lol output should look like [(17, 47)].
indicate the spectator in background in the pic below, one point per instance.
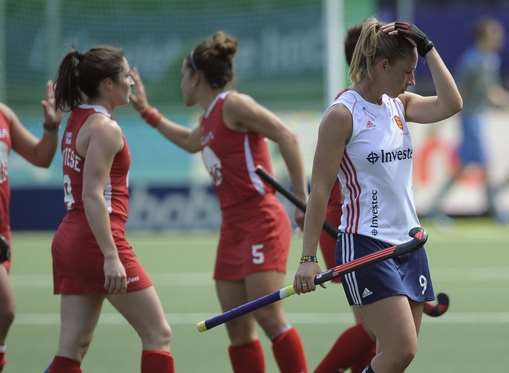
[(39, 152), (478, 77)]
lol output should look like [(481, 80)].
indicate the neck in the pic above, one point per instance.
[(206, 98), (369, 91), (100, 102)]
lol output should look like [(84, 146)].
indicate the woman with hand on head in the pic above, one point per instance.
[(92, 260), (364, 141), (255, 231), (39, 152)]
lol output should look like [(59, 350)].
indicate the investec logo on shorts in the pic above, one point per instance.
[(390, 156), (374, 212)]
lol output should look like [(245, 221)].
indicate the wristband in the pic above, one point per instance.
[(308, 259), (50, 127), (152, 116)]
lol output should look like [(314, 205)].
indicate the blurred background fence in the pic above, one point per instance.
[(281, 63)]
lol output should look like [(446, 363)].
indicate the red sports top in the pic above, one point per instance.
[(232, 156), (5, 194), (335, 196), (116, 192)]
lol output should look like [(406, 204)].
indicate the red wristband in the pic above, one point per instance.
[(152, 116)]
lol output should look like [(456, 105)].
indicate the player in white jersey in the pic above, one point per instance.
[(364, 139)]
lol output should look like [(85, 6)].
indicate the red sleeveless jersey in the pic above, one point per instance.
[(231, 158), (5, 194), (116, 191), (335, 196)]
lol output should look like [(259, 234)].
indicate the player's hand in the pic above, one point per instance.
[(115, 277), (304, 280), (52, 116), (138, 97), (412, 33)]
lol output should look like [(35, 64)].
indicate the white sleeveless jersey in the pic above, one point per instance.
[(376, 170)]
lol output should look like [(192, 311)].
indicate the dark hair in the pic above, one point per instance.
[(80, 74), (352, 35), (214, 58), (373, 44)]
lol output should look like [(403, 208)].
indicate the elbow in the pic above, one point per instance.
[(288, 137), (43, 163), (191, 144), (89, 198), (452, 107), (42, 159), (191, 149), (458, 104)]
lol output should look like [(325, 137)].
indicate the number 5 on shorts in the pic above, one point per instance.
[(257, 254)]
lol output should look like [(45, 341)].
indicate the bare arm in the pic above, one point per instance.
[(39, 152), (105, 141), (447, 101), (335, 130), (185, 138), (241, 112)]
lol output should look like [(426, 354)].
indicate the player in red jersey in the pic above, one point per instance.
[(39, 152), (92, 259), (255, 231)]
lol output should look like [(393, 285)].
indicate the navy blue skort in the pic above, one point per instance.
[(405, 275)]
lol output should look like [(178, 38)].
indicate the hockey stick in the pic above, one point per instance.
[(431, 309), (292, 198), (419, 237)]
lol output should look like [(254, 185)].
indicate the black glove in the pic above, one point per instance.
[(5, 250), (423, 44)]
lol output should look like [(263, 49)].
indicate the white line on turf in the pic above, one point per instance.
[(24, 319), (197, 279)]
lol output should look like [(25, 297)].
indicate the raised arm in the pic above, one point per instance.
[(242, 113), (447, 101), (335, 130), (185, 138), (39, 152), (105, 141)]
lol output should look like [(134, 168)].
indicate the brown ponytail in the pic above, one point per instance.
[(67, 92), (79, 74), (214, 57), (373, 44)]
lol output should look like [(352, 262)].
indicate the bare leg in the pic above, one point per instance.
[(241, 330), (7, 310), (78, 318), (392, 321), (7, 304), (271, 318), (143, 310)]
